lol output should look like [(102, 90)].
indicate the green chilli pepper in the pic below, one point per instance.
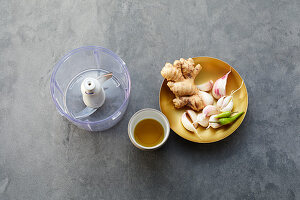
[(228, 120), (224, 114)]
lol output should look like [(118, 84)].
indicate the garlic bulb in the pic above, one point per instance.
[(228, 107), (206, 86), (213, 122), (202, 120), (225, 103), (207, 98), (193, 117), (220, 102), (210, 110), (187, 124), (219, 88)]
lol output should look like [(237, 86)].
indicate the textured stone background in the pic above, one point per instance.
[(43, 156)]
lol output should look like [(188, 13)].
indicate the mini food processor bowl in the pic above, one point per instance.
[(90, 61)]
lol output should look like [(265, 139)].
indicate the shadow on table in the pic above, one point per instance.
[(233, 142), (177, 146)]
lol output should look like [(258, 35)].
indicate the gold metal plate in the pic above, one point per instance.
[(212, 69)]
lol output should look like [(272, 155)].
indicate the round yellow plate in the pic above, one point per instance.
[(212, 69)]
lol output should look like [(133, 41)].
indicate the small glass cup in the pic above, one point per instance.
[(148, 113)]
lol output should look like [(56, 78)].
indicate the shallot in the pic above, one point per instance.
[(202, 120), (219, 88), (227, 99), (210, 110), (213, 122), (220, 102), (206, 98), (193, 117), (227, 107), (225, 103), (206, 86), (187, 123)]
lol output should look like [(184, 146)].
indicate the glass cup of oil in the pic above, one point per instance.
[(148, 129)]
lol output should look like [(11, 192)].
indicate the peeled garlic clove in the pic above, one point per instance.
[(228, 107), (207, 98), (202, 120), (206, 86), (226, 101), (193, 117), (210, 110), (212, 122), (220, 102), (187, 124), (219, 88)]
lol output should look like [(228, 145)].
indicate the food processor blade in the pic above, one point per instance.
[(85, 113), (89, 110)]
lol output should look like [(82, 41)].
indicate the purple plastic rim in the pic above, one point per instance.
[(64, 58)]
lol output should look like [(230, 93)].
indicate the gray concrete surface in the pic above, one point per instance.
[(43, 156)]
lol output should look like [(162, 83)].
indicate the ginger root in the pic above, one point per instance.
[(180, 77), (195, 102)]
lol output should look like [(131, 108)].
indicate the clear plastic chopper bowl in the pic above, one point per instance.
[(91, 61)]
